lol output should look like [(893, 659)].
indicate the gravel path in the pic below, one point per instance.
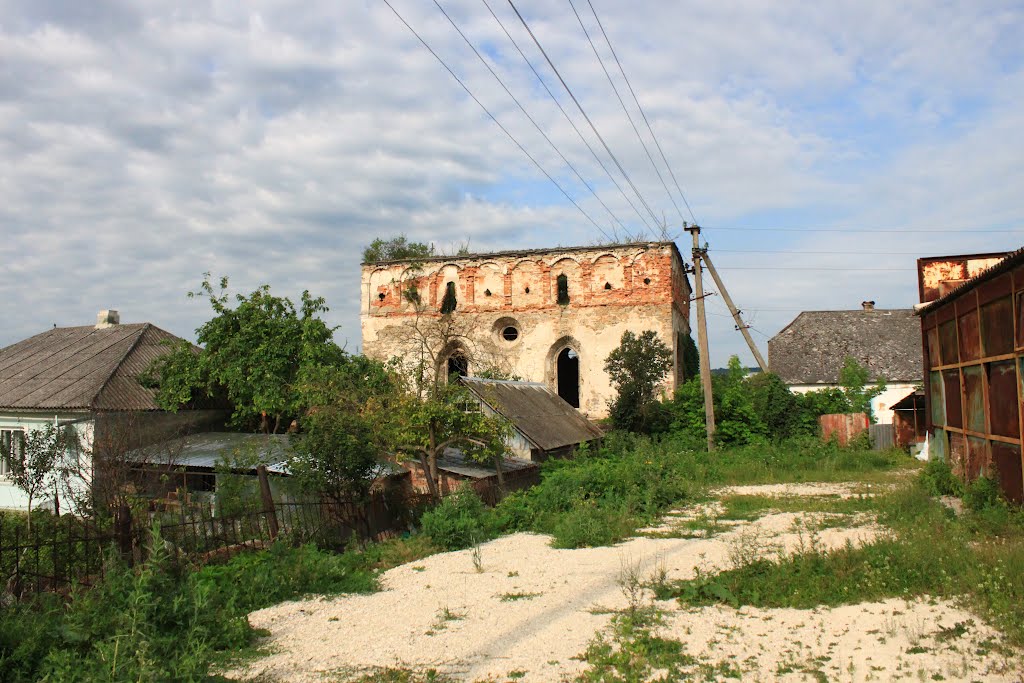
[(533, 609)]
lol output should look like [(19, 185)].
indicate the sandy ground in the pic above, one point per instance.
[(533, 610)]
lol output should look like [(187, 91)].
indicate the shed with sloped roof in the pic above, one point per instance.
[(544, 424)]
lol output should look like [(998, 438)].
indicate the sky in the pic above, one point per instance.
[(822, 148)]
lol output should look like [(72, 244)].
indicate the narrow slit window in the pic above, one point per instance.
[(563, 290), (449, 302)]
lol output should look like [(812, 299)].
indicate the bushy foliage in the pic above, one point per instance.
[(166, 621), (938, 480), (396, 249), (761, 408), (635, 368), (254, 356), (459, 521)]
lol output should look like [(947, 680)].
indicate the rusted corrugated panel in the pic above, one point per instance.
[(940, 275), (977, 457), (997, 327), (1006, 461), (1003, 401), (958, 454), (1019, 303), (947, 342), (951, 391), (842, 426), (970, 339), (937, 399), (974, 395), (932, 346)]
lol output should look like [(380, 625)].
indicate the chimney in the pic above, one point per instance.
[(866, 305), (105, 319)]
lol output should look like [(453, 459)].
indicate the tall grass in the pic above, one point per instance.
[(602, 497), (163, 621), (931, 551)]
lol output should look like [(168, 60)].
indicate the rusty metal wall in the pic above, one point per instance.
[(973, 345), (843, 427)]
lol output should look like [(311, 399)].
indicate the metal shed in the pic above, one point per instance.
[(973, 337)]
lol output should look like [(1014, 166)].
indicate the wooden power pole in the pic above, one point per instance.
[(743, 328), (702, 338)]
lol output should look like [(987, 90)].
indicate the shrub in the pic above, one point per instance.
[(459, 521), (937, 479), (587, 525), (981, 494)]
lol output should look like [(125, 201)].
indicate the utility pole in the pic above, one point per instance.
[(702, 337), (735, 311)]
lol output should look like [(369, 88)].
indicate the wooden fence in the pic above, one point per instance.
[(62, 552)]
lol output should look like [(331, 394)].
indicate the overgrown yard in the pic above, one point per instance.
[(647, 561), (871, 579)]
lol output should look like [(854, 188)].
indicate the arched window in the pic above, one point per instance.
[(458, 364), (567, 372), (449, 301), (563, 290)]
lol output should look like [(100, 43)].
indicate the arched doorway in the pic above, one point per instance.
[(567, 373), (458, 364)]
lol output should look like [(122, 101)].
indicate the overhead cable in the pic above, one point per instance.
[(566, 115), (583, 111), (642, 113), (626, 110), (531, 119), (492, 117)]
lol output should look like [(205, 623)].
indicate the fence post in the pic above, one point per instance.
[(123, 532), (268, 501)]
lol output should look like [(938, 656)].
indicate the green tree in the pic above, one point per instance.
[(691, 358), (341, 445), (254, 354), (35, 469), (422, 425), (397, 249), (636, 367), (854, 378)]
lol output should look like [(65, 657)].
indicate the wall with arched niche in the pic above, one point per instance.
[(607, 274), (573, 272), (530, 285), (490, 285)]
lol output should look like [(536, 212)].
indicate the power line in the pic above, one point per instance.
[(624, 109), (642, 113), (492, 117), (840, 253), (567, 117), (582, 111), (852, 270), (527, 115), (925, 231)]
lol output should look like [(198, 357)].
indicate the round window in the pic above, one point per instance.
[(510, 333)]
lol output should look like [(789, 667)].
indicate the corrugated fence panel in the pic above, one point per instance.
[(882, 436)]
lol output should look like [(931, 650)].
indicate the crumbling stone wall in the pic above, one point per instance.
[(508, 306)]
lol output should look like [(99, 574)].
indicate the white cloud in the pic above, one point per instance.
[(146, 143)]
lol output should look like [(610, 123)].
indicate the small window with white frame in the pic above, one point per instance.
[(12, 448)]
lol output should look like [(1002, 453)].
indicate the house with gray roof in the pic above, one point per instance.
[(809, 353), (88, 379)]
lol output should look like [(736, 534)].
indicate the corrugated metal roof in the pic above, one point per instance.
[(454, 461), (542, 416), (207, 449), (82, 368), (813, 348)]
